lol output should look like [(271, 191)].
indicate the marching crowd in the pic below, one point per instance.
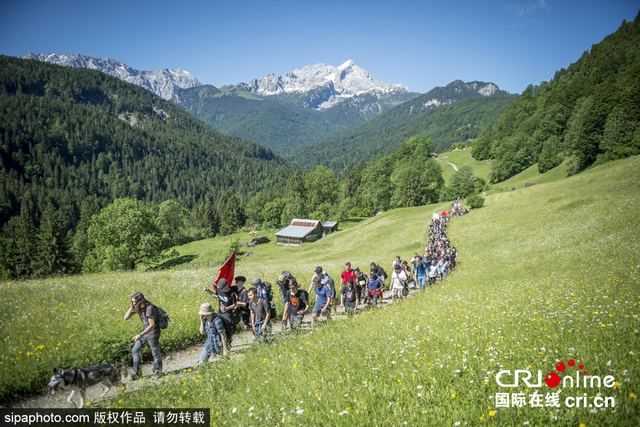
[(254, 307)]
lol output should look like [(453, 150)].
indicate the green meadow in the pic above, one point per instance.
[(460, 158), (546, 274)]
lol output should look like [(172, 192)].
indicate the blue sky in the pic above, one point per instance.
[(421, 44)]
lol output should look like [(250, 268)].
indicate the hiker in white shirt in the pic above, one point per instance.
[(398, 278)]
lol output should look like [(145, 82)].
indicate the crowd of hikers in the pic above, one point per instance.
[(254, 307)]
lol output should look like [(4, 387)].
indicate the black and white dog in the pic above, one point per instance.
[(79, 379)]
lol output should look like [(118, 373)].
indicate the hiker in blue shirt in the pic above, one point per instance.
[(375, 285), (323, 301), (420, 273)]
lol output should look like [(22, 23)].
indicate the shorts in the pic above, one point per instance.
[(317, 310), (396, 292)]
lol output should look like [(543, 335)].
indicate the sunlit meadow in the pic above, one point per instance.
[(546, 274)]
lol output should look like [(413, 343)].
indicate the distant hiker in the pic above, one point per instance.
[(149, 335), (361, 284), (347, 274), (375, 287), (323, 301), (212, 325), (260, 316), (420, 273), (349, 298), (407, 271), (296, 306), (243, 301), (283, 285), (433, 271), (396, 261), (382, 275), (444, 267), (328, 280), (317, 273), (398, 281)]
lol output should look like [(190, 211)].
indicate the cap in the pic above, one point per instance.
[(256, 281), (318, 270), (240, 279)]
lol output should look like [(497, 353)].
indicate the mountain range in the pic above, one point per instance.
[(320, 109), (161, 82), (328, 85)]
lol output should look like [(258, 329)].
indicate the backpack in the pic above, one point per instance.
[(269, 292), (163, 318), (287, 275)]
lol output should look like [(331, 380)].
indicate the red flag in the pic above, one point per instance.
[(226, 271)]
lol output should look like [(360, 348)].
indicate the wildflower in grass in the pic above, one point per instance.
[(492, 413)]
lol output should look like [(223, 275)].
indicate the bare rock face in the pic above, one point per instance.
[(326, 84), (161, 82)]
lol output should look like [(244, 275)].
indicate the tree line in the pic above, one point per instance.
[(129, 232)]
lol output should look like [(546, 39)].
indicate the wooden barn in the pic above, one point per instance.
[(329, 226), (299, 231)]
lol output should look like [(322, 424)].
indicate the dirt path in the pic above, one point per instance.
[(455, 168), (175, 364)]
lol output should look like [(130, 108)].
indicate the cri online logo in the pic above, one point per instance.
[(553, 380)]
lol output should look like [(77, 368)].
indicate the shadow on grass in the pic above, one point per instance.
[(174, 262)]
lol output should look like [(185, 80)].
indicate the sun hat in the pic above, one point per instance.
[(205, 309)]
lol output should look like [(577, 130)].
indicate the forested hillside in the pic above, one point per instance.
[(446, 125), (278, 122), (74, 136), (588, 113)]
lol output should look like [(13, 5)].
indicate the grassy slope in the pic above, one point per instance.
[(462, 158), (547, 274), (542, 270)]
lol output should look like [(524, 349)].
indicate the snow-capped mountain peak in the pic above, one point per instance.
[(161, 82), (330, 84)]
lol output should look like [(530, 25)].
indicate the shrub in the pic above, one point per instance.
[(475, 201)]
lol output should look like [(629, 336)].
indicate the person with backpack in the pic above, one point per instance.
[(444, 267), (149, 335), (420, 273), (212, 325), (380, 273), (349, 298), (296, 306), (361, 283), (323, 301), (227, 304), (283, 284), (398, 282), (243, 301), (375, 287), (260, 316), (265, 290)]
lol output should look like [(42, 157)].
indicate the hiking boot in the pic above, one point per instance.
[(133, 376), (156, 374)]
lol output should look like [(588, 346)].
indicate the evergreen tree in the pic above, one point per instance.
[(232, 216), (81, 245), (22, 232), (53, 248)]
